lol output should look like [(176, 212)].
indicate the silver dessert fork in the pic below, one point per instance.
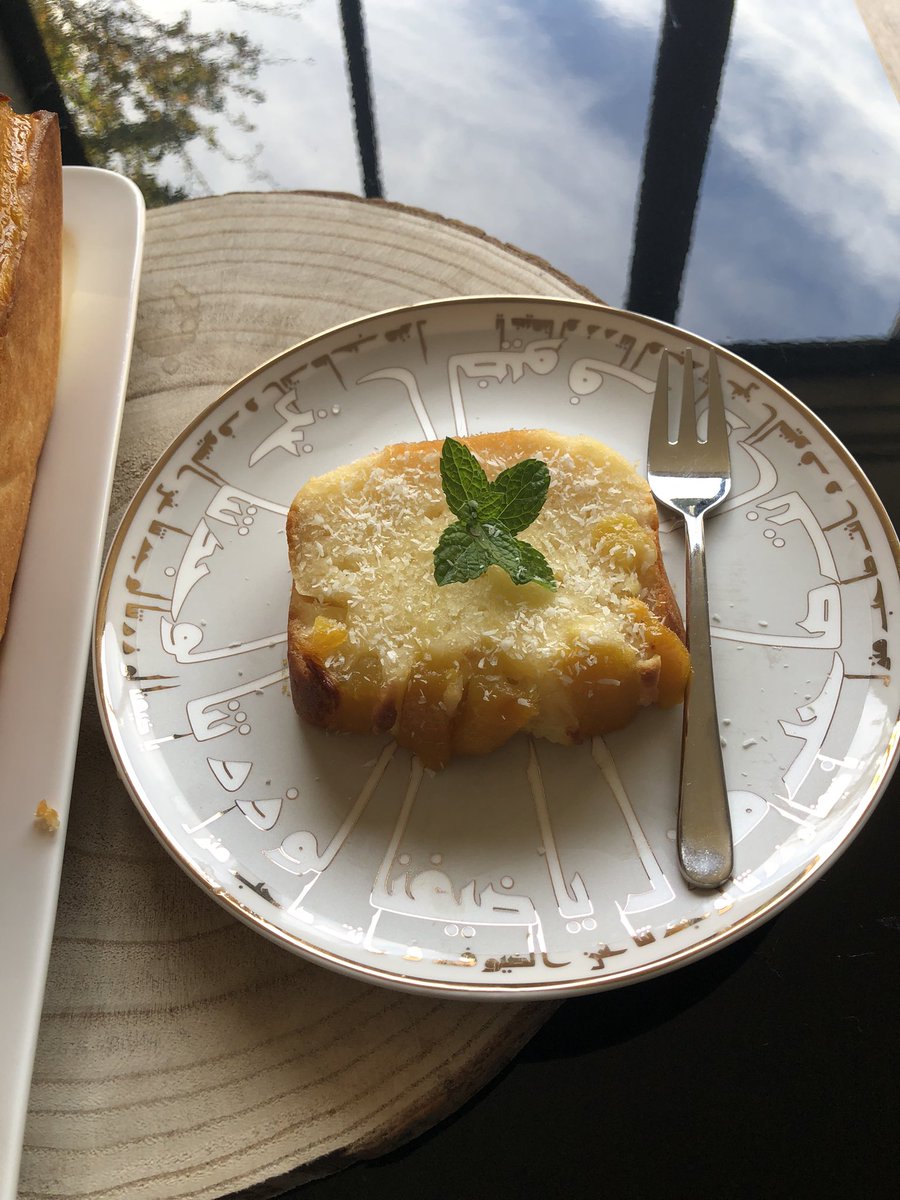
[(692, 477)]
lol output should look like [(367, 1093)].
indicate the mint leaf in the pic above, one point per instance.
[(517, 495), (462, 475), (520, 560), (490, 514), (461, 555)]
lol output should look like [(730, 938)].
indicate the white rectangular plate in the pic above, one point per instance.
[(44, 652)]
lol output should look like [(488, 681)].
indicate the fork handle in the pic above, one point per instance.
[(705, 852)]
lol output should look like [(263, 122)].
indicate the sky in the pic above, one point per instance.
[(527, 118)]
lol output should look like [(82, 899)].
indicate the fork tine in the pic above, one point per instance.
[(716, 427), (659, 415), (687, 424)]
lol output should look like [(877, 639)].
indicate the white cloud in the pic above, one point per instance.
[(481, 118), (805, 104), (474, 122), (304, 125), (640, 14), (479, 122), (806, 108)]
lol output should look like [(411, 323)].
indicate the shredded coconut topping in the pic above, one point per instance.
[(365, 536)]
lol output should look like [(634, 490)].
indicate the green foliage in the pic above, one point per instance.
[(143, 90), (490, 514)]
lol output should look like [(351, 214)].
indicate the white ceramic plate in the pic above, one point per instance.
[(44, 652), (538, 870)]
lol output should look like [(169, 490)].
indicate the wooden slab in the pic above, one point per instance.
[(882, 20), (180, 1053)]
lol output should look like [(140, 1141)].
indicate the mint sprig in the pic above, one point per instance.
[(489, 515)]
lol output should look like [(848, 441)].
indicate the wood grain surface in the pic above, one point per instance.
[(882, 20), (180, 1053)]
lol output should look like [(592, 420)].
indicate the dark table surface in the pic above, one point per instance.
[(736, 173)]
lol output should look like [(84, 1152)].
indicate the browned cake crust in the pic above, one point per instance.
[(30, 296), (375, 645)]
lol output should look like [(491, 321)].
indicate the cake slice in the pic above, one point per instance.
[(30, 297), (374, 644)]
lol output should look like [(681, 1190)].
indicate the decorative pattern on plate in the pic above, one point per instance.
[(538, 869)]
